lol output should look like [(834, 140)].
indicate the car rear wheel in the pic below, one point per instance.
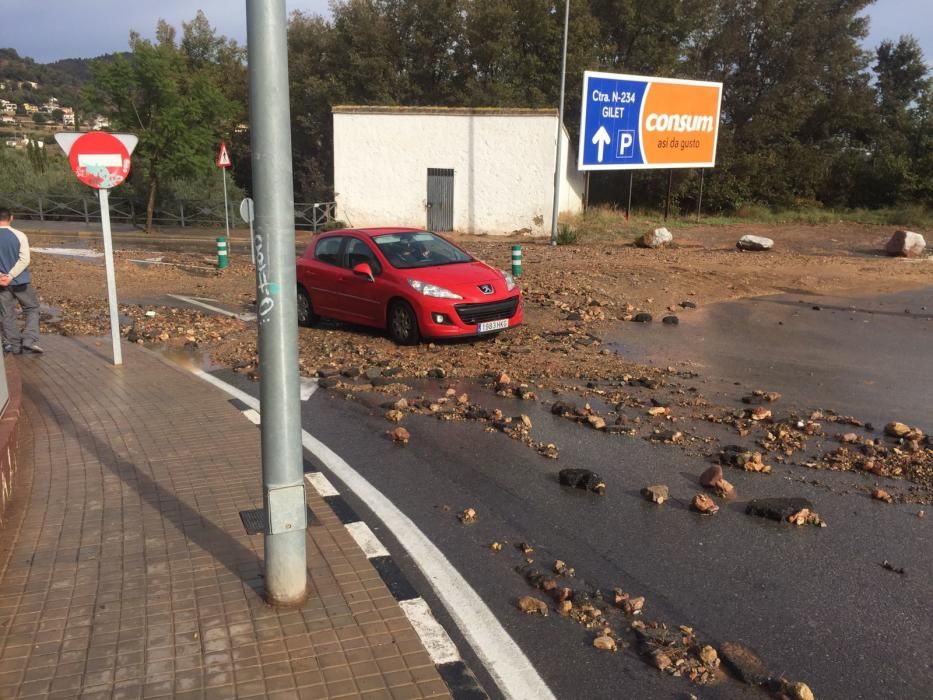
[(306, 315), (403, 324)]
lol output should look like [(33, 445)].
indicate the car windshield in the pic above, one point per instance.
[(411, 249)]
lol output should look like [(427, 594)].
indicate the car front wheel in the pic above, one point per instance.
[(403, 324), (306, 315)]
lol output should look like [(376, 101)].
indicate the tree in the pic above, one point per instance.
[(172, 98), (58, 116), (39, 118)]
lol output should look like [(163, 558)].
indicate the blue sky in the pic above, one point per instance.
[(55, 29)]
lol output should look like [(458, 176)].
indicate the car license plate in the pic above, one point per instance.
[(492, 325)]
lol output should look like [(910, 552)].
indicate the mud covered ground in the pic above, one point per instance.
[(574, 297)]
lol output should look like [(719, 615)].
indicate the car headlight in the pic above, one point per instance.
[(432, 290), (509, 281)]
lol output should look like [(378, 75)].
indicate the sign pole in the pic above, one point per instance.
[(628, 206), (277, 319), (667, 201), (111, 276), (226, 208), (700, 198), (560, 127)]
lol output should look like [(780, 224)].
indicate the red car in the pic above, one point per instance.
[(414, 283)]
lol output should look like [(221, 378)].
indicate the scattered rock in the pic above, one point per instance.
[(688, 305), (882, 495), (903, 431), (596, 422), (400, 435), (467, 516), (658, 238), (670, 320), (643, 317), (777, 508), (799, 691), (734, 456), (659, 411), (667, 436), (760, 413), (656, 493), (394, 415), (532, 606), (712, 478), (351, 372), (805, 516), (744, 663), (755, 464), (758, 397), (437, 373), (702, 503), (890, 567), (564, 408), (604, 642), (709, 656), (582, 479), (327, 382), (496, 546), (754, 243), (561, 568), (373, 373), (905, 244)]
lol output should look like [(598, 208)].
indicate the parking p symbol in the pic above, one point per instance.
[(626, 142)]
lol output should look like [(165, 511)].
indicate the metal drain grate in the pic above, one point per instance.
[(255, 520)]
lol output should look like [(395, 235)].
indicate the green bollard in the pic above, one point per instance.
[(222, 260), (516, 260)]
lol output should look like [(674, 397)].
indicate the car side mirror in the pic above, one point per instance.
[(364, 270)]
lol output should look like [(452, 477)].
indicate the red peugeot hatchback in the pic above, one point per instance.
[(414, 283)]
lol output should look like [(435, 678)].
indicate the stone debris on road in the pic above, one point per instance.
[(656, 493), (702, 503), (583, 479), (467, 516), (532, 606), (400, 436), (882, 495), (890, 567), (656, 238)]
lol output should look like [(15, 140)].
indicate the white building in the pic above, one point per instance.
[(469, 170)]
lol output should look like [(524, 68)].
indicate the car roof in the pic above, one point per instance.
[(373, 232)]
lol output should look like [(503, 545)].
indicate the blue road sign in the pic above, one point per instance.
[(630, 122)]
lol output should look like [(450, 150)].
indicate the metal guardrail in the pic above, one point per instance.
[(178, 213)]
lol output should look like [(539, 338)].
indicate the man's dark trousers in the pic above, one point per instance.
[(26, 296)]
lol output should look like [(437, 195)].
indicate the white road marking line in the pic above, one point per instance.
[(366, 539), (437, 642), (252, 416), (321, 484), (308, 385), (215, 309), (511, 670)]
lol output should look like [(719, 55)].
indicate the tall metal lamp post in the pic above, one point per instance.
[(560, 126)]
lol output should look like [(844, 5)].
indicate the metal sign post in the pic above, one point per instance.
[(276, 300), (248, 213), (111, 276), (560, 127), (102, 161), (223, 162)]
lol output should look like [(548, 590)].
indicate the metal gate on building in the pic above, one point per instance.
[(440, 200)]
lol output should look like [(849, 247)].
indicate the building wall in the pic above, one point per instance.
[(503, 168)]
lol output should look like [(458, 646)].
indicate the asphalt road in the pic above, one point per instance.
[(815, 603)]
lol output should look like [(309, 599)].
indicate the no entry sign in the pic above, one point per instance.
[(100, 159)]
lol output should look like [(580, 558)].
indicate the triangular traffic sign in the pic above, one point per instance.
[(223, 158)]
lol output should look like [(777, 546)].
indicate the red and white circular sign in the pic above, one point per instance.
[(100, 160)]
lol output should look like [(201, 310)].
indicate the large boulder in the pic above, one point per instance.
[(659, 238), (749, 242), (906, 244)]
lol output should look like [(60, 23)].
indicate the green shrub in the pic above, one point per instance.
[(566, 234)]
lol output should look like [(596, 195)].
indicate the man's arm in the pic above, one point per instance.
[(23, 262)]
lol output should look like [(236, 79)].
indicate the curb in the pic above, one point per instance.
[(9, 434), (440, 647)]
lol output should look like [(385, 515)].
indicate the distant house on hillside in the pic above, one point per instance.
[(7, 107), (464, 169), (30, 108), (100, 123), (30, 83), (68, 116), (7, 119)]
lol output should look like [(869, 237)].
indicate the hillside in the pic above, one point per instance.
[(62, 79)]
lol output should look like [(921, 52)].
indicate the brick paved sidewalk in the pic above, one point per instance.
[(130, 574)]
